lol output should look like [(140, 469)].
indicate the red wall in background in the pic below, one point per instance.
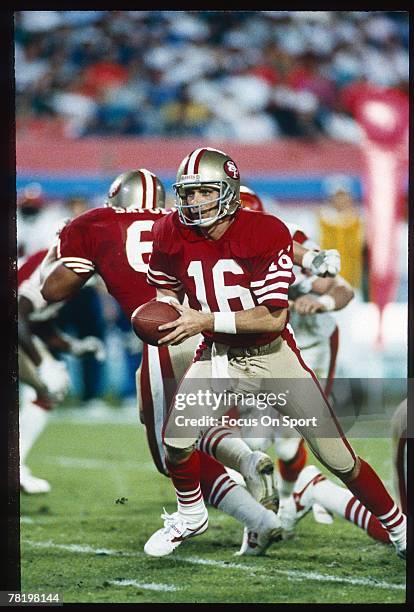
[(56, 154)]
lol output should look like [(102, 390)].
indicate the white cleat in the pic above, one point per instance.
[(256, 543), (321, 515), (288, 516), (176, 529), (294, 507), (31, 484), (258, 471)]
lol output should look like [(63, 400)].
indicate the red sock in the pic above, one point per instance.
[(185, 475), (356, 513), (377, 531), (289, 470), (370, 491), (215, 481)]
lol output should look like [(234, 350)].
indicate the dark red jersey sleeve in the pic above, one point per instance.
[(272, 268), (160, 273), (75, 247)]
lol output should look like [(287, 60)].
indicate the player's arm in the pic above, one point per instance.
[(337, 288), (24, 334), (70, 265), (62, 283), (57, 340), (49, 262), (335, 294), (260, 319)]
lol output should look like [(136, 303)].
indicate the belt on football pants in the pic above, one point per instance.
[(220, 354)]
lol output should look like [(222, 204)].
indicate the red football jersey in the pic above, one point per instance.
[(116, 244), (250, 265)]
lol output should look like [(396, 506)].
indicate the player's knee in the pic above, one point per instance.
[(339, 460), (177, 455), (346, 471), (351, 473)]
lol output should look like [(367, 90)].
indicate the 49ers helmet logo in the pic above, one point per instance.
[(231, 169)]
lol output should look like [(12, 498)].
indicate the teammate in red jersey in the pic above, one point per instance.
[(235, 267), (47, 377)]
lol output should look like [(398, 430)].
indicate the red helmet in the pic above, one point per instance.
[(250, 200)]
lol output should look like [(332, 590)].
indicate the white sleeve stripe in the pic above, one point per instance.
[(156, 273), (272, 296), (77, 263), (279, 274), (77, 259), (156, 281), (270, 287), (73, 265), (163, 283)]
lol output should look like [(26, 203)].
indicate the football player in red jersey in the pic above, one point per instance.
[(235, 267), (47, 377), (116, 243)]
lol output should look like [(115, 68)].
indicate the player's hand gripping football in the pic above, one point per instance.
[(190, 323), (322, 263)]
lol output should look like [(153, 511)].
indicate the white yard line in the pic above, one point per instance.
[(94, 464), (97, 415), (294, 575), (152, 586)]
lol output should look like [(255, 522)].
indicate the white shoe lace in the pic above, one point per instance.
[(172, 521)]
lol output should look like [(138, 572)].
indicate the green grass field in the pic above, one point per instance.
[(86, 542)]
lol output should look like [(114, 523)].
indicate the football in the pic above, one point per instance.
[(146, 318)]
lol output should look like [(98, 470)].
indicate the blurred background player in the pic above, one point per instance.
[(39, 341), (341, 224), (37, 220)]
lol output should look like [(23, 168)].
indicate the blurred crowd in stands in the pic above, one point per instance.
[(242, 75)]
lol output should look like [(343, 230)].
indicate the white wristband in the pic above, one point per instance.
[(328, 301), (225, 322)]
